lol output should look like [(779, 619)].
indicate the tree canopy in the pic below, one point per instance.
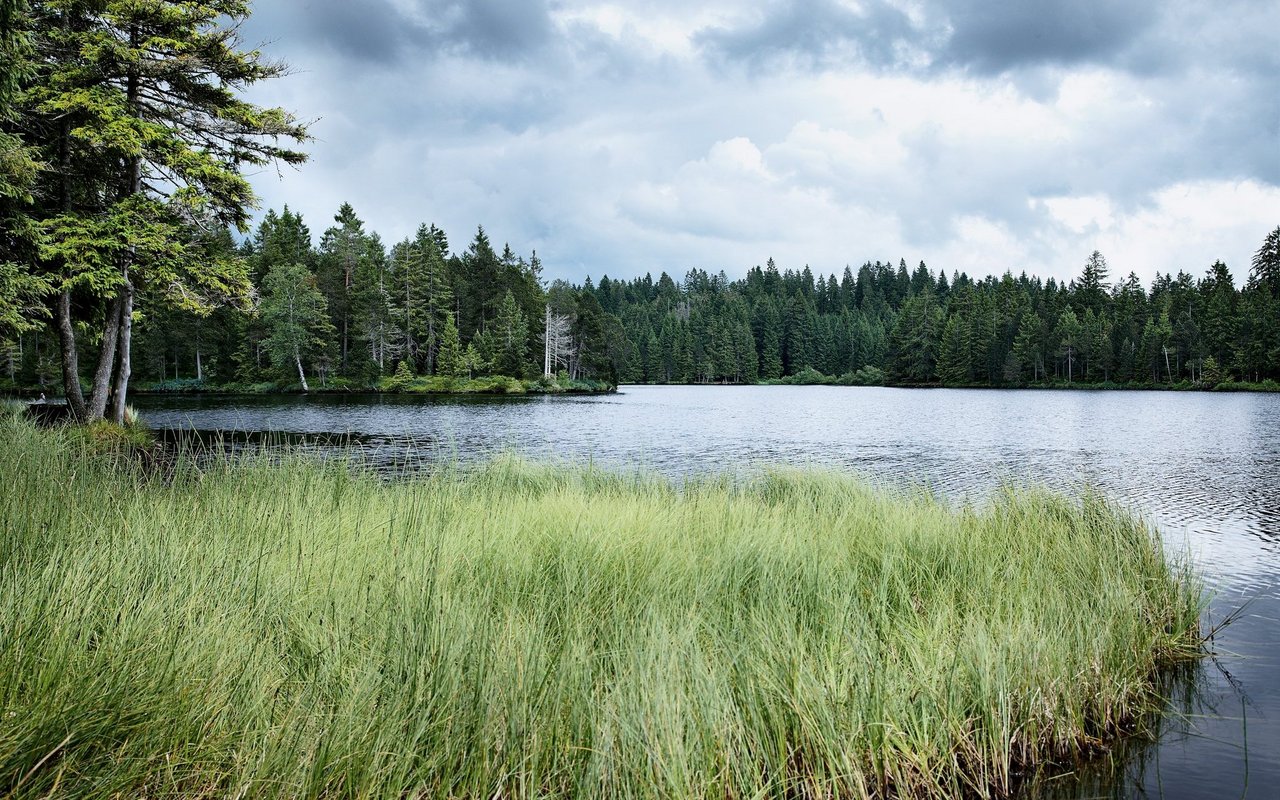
[(133, 110)]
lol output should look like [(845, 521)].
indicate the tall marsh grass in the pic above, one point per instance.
[(518, 631)]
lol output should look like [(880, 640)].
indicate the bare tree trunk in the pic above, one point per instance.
[(70, 360), (302, 376), (546, 346), (124, 366)]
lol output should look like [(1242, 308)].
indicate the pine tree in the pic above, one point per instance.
[(954, 365), (371, 302), (402, 379), (450, 361), (1068, 334), (1219, 329), (1026, 347), (1091, 290), (21, 290), (478, 287), (511, 334), (771, 351), (1266, 263), (915, 339), (136, 111), (345, 253)]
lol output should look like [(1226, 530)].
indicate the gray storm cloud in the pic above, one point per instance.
[(598, 133)]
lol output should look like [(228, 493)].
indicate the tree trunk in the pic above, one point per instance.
[(302, 376), (70, 359), (106, 360), (66, 332), (124, 366), (124, 303)]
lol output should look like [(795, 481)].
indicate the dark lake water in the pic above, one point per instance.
[(1204, 467)]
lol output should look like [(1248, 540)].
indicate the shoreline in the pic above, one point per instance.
[(522, 624)]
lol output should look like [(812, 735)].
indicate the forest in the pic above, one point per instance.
[(354, 313), (128, 252)]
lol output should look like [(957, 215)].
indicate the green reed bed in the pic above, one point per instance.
[(522, 631)]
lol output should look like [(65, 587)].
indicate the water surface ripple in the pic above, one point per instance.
[(1204, 467)]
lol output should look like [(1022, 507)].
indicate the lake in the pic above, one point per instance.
[(1204, 467)]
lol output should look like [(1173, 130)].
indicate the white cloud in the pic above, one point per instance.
[(621, 148)]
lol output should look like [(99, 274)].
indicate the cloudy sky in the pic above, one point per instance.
[(630, 137)]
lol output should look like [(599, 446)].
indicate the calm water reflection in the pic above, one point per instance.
[(1205, 467)]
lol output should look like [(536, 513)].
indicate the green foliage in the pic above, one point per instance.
[(1211, 373), (915, 339), (450, 362), (174, 385), (880, 325), (865, 376), (134, 110), (805, 377), (955, 367), (511, 339), (401, 381), (295, 313), (296, 625), (108, 438)]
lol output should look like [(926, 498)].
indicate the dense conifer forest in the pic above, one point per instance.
[(123, 145), (355, 313)]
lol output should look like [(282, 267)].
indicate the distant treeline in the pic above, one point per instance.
[(352, 312), (886, 324)]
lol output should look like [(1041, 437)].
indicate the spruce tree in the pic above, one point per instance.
[(135, 106), (915, 339), (1266, 264), (344, 255), (450, 361), (511, 335), (1091, 290), (954, 365)]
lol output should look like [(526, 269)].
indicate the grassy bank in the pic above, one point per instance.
[(524, 631), (436, 384), (871, 376)]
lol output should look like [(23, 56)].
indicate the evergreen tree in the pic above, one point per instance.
[(433, 288), (279, 239), (1069, 334), (954, 365), (136, 110), (345, 253), (478, 285), (915, 339), (297, 320), (450, 361), (372, 312), (1219, 295), (1266, 264), (511, 335), (1091, 290)]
